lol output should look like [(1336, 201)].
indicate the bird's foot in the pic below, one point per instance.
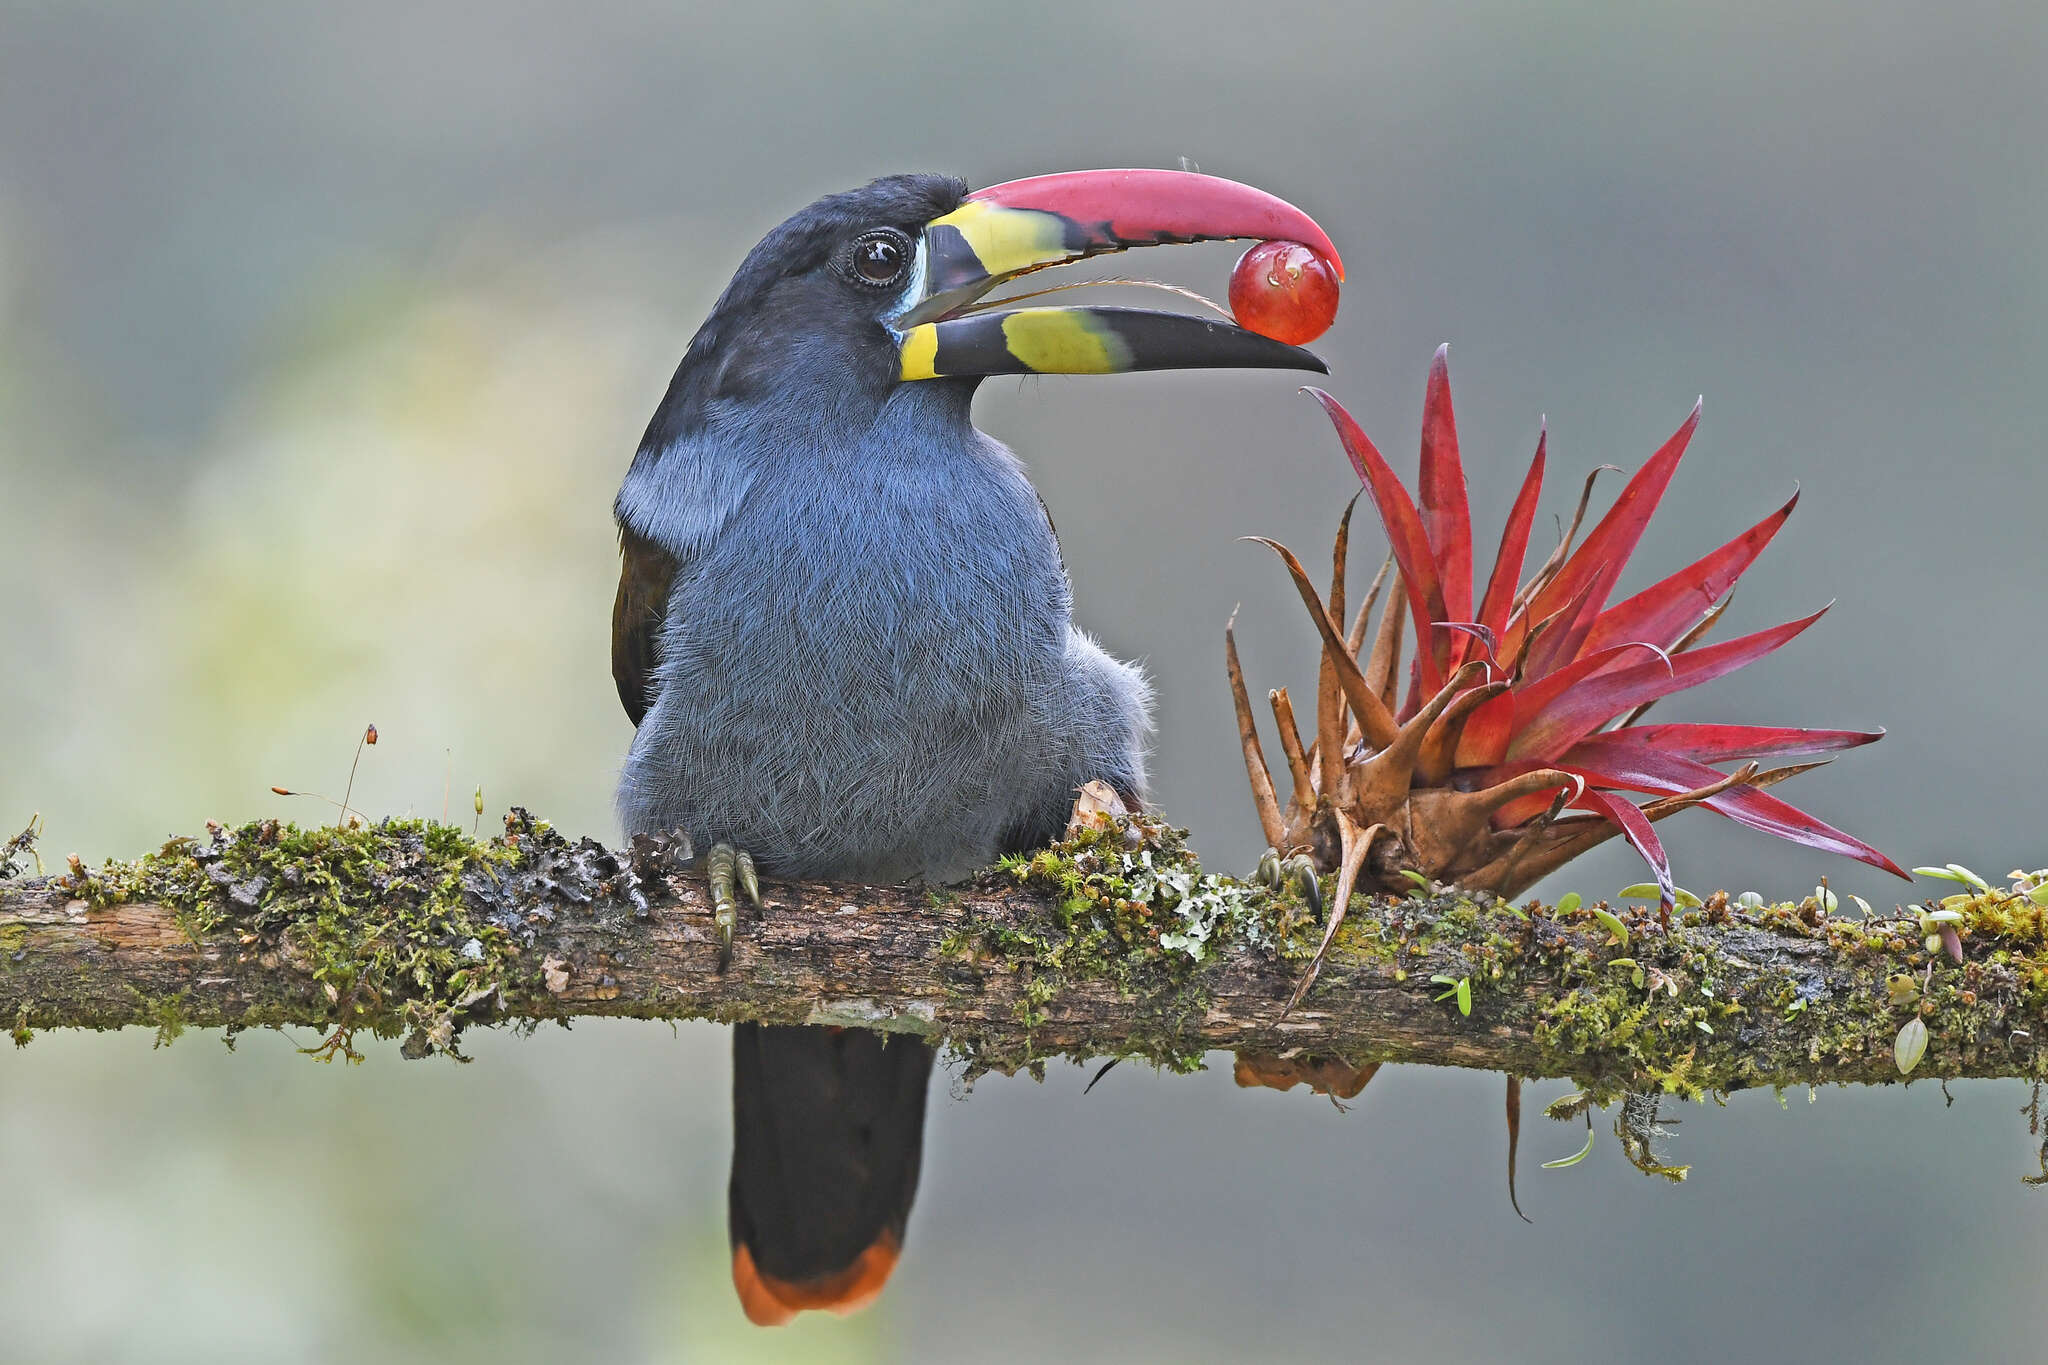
[(731, 872), (1296, 874)]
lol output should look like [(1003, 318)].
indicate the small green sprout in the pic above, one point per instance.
[(1650, 891), (1568, 902), (1863, 906), (1954, 872), (1567, 1107), (1910, 1046), (1939, 927), (1826, 898), (1617, 931), (1576, 1157), (1424, 886), (1459, 988), (1635, 971), (1750, 900)]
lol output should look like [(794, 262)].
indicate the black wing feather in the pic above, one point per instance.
[(646, 572)]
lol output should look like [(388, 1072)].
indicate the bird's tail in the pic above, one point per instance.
[(828, 1131)]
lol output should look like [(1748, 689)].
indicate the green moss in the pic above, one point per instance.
[(1128, 906), (1694, 1016), (410, 929), (167, 1013), (1617, 1009), (376, 917)]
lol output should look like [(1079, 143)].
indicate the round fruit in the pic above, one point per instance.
[(1285, 291)]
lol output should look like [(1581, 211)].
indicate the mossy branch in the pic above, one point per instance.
[(1112, 944)]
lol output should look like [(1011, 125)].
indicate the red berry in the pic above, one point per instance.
[(1284, 290)]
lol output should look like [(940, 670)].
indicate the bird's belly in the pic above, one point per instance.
[(869, 705)]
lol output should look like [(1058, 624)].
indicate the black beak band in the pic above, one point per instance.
[(1089, 341)]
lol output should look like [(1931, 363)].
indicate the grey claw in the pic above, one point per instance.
[(1300, 872), (1268, 872), (720, 866)]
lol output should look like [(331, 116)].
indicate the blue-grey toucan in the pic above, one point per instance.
[(844, 630)]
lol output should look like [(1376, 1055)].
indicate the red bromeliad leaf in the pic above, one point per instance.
[(1565, 640), (1532, 698), (1637, 829), (1484, 740), (1602, 554), (1446, 513), (1663, 612), (1606, 549), (1523, 809), (1592, 701), (1514, 547), (1405, 534), (1701, 744), (1732, 743), (1614, 762), (1536, 636)]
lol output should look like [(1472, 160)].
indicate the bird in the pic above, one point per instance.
[(844, 628)]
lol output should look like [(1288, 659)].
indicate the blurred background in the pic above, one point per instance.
[(326, 333)]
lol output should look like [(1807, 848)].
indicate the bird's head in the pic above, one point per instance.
[(887, 285)]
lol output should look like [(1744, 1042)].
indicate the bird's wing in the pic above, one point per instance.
[(645, 573)]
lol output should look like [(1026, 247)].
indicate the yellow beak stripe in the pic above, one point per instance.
[(920, 350), (1006, 241), (1064, 341), (1025, 341)]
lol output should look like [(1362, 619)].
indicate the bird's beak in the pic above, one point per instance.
[(1008, 230)]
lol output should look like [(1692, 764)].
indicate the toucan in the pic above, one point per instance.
[(844, 632)]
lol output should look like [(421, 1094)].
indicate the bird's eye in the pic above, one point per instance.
[(880, 258)]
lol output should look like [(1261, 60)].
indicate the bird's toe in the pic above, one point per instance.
[(1299, 872), (732, 874)]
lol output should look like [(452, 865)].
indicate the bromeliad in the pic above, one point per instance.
[(1516, 744)]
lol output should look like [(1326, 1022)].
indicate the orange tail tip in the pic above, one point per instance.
[(770, 1302)]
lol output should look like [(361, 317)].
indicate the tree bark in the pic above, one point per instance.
[(403, 932)]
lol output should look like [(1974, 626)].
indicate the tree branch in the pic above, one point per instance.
[(1114, 943)]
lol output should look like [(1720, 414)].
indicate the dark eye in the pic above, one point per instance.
[(880, 258)]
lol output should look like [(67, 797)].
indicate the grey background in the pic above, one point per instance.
[(326, 332)]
